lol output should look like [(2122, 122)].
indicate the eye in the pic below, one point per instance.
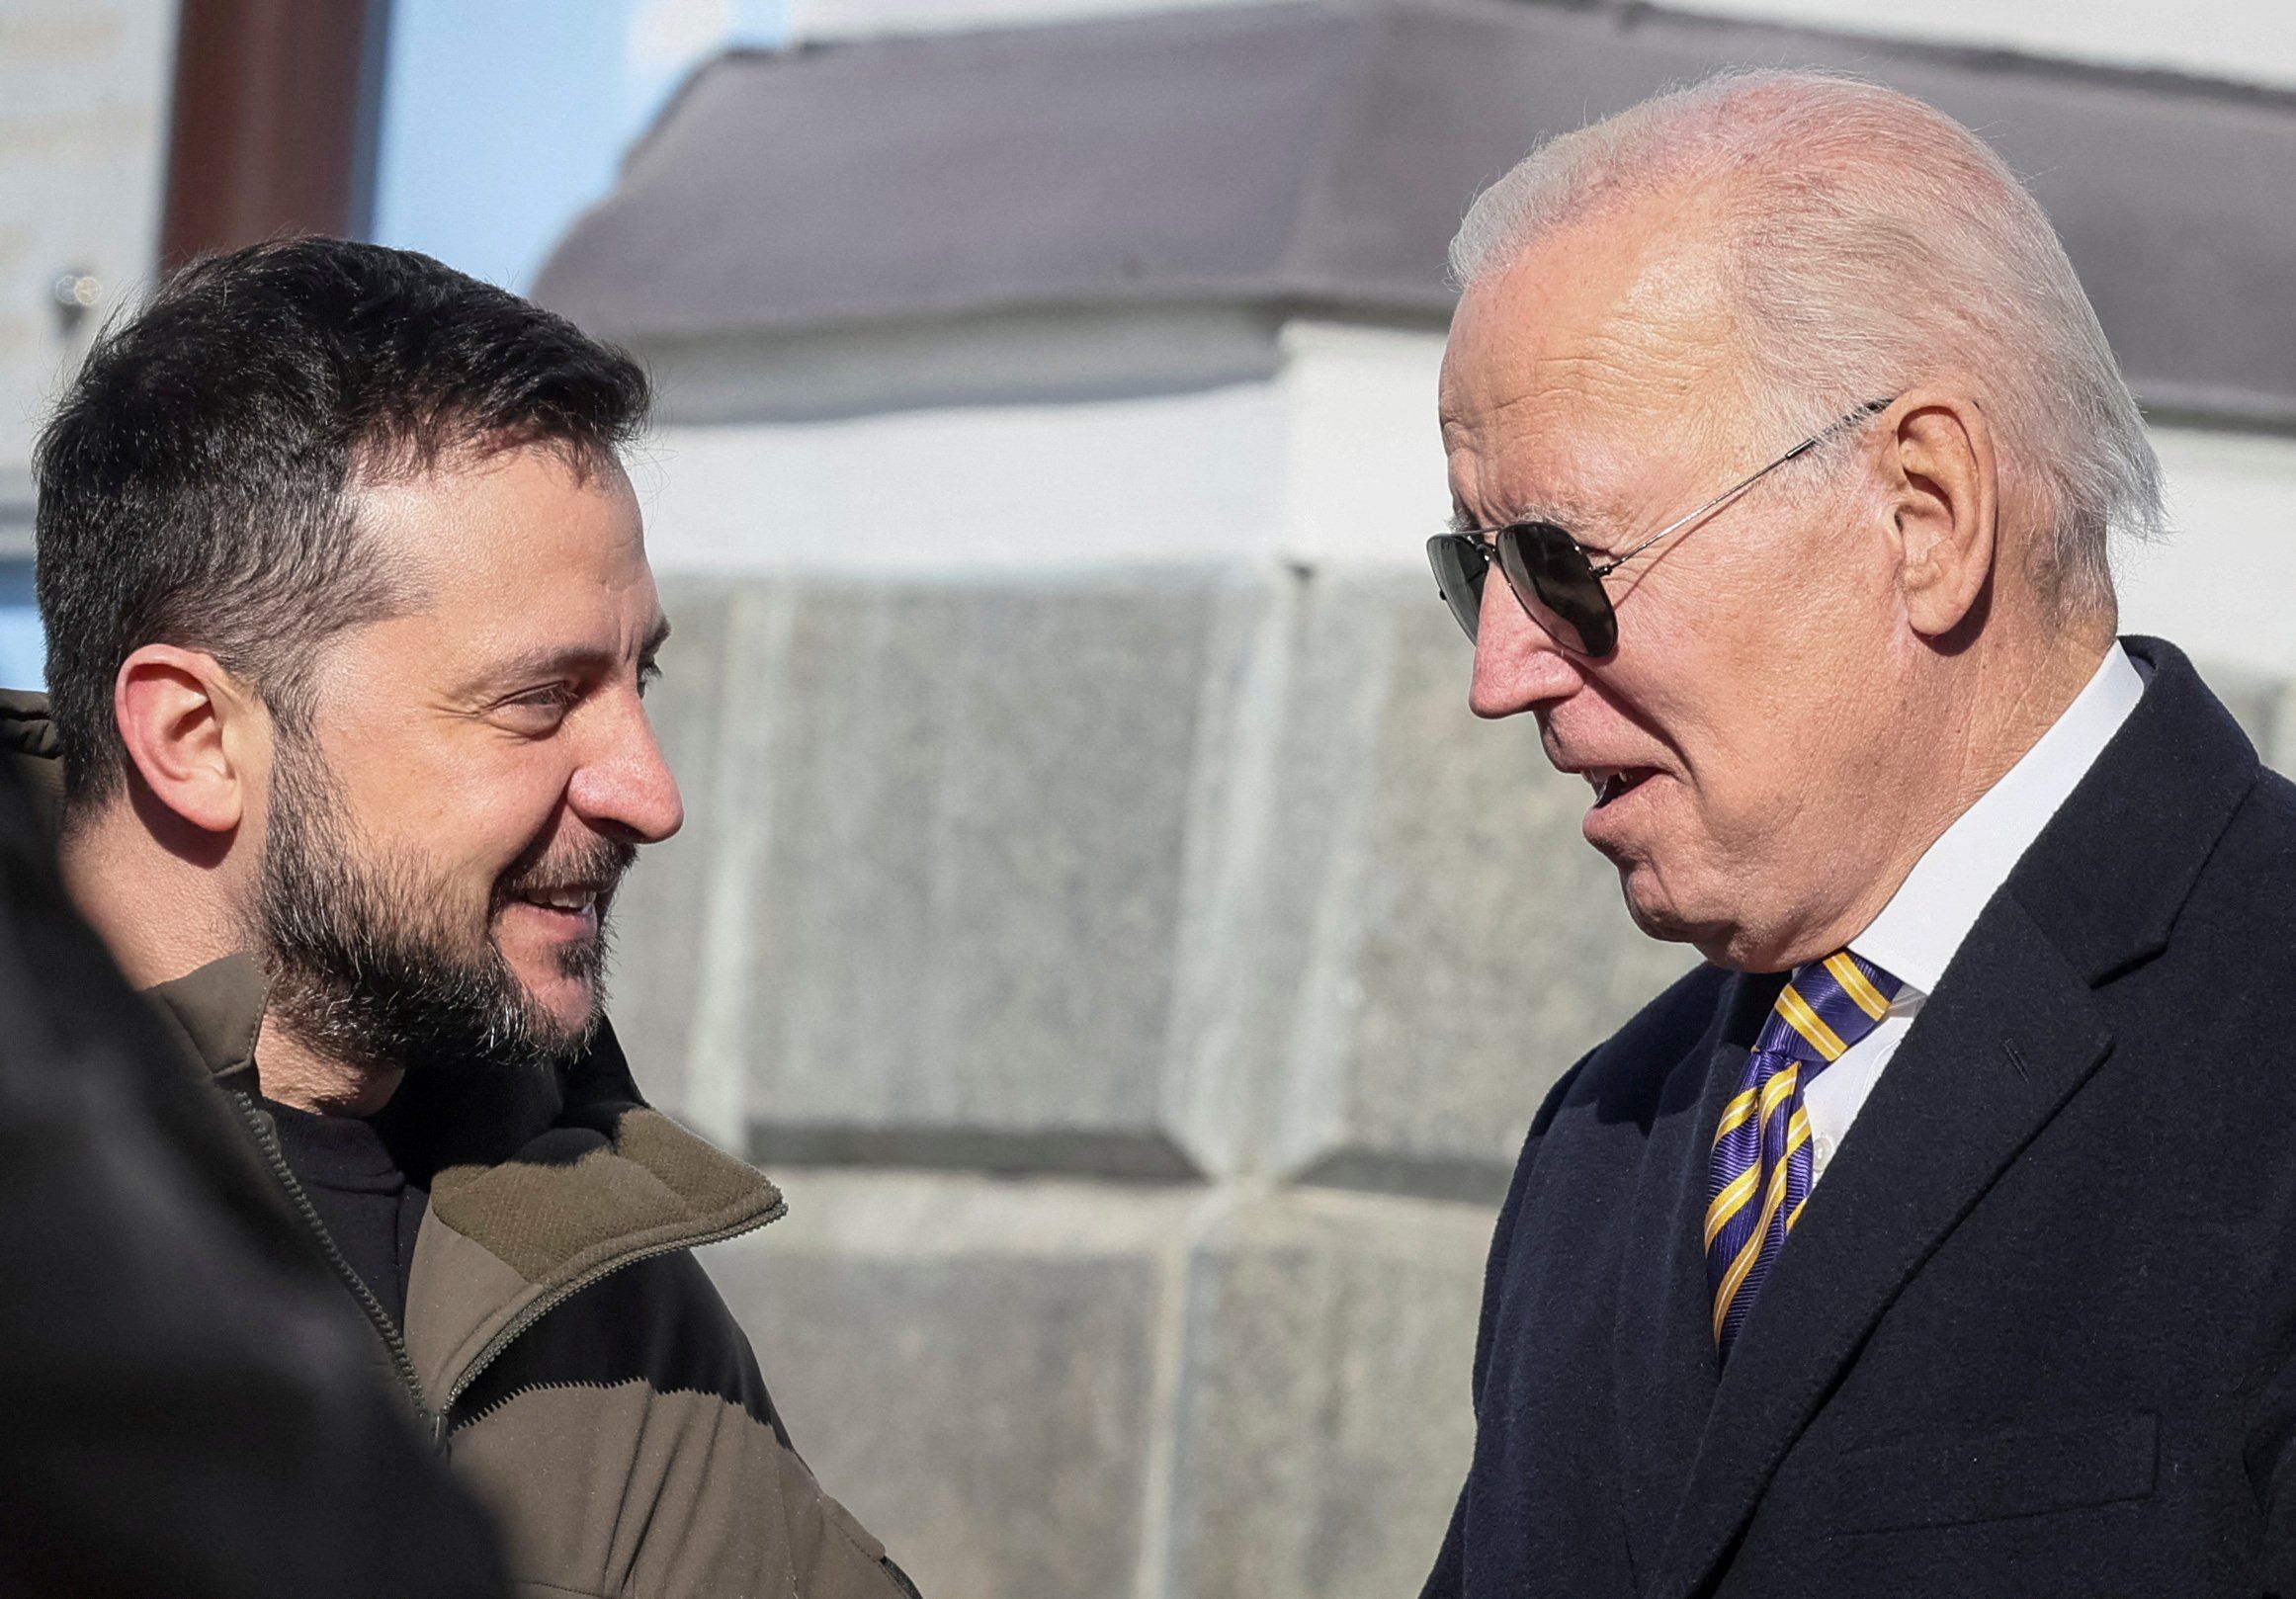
[(648, 674), (540, 709)]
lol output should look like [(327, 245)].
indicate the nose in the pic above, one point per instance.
[(624, 787), (1518, 666)]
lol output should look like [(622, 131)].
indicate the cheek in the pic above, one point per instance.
[(467, 824)]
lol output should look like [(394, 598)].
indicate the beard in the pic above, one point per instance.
[(374, 962)]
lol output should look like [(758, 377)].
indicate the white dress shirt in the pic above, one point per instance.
[(1916, 936)]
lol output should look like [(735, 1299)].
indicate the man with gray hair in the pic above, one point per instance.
[(1797, 448)]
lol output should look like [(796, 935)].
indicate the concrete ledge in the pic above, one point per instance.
[(1078, 1151), (1059, 1388), (1322, 155)]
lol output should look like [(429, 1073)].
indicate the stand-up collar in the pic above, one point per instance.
[(1914, 937), (2171, 782), (216, 1014)]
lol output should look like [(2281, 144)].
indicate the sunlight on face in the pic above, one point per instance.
[(491, 746), (1592, 383)]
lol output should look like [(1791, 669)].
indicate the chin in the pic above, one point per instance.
[(569, 1005), (1661, 915)]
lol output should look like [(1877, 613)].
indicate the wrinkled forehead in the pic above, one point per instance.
[(1597, 334)]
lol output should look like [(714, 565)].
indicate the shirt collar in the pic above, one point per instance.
[(1916, 936)]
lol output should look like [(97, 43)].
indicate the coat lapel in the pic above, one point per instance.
[(1666, 1364), (2011, 1033)]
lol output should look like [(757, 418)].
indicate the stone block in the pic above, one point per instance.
[(1455, 943), (941, 845), (1324, 1421), (970, 1366), (660, 921), (1137, 875)]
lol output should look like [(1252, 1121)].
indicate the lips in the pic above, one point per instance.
[(565, 911), (1611, 783), (576, 900), (568, 890)]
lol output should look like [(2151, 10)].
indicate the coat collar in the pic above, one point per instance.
[(2171, 783), (608, 1181), (216, 1014), (2013, 1031), (535, 1188)]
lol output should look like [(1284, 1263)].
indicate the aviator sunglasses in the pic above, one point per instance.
[(1554, 577)]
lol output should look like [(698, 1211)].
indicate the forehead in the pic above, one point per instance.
[(1604, 333), (517, 538)]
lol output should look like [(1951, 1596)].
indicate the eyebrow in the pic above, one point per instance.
[(1571, 519), (549, 661)]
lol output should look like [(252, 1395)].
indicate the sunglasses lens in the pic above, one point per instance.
[(1551, 576), (1460, 568)]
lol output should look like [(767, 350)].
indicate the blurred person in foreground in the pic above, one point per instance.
[(349, 626), (188, 1407), (1938, 1235)]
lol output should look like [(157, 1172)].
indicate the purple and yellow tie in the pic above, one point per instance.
[(1760, 1177)]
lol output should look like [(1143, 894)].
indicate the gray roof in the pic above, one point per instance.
[(1323, 154)]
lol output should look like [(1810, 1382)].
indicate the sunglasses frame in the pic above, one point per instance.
[(1584, 606)]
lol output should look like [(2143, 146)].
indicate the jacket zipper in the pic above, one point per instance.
[(392, 1339), (558, 1295)]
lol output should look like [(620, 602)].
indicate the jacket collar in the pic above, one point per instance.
[(216, 1014), (535, 1189), (2169, 784), (2014, 1030)]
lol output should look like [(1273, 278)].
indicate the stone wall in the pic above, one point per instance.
[(1139, 982)]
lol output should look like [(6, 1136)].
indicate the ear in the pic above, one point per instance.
[(191, 731), (1945, 497)]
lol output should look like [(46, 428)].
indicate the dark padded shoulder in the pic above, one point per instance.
[(29, 748)]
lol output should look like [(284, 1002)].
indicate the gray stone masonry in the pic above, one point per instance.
[(1139, 981)]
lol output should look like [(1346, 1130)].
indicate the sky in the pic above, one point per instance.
[(503, 118)]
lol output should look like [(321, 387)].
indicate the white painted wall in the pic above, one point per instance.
[(2250, 40), (1327, 452), (815, 20), (2224, 586), (969, 488)]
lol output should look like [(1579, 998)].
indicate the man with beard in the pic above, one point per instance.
[(349, 628)]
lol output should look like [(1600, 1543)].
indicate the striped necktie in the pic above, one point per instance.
[(1760, 1176)]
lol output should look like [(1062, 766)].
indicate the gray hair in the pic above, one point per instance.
[(1865, 233)]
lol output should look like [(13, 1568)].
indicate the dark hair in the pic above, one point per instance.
[(195, 481)]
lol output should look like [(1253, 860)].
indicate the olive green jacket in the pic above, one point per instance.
[(562, 1344)]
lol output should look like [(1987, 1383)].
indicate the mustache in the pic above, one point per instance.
[(598, 865)]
